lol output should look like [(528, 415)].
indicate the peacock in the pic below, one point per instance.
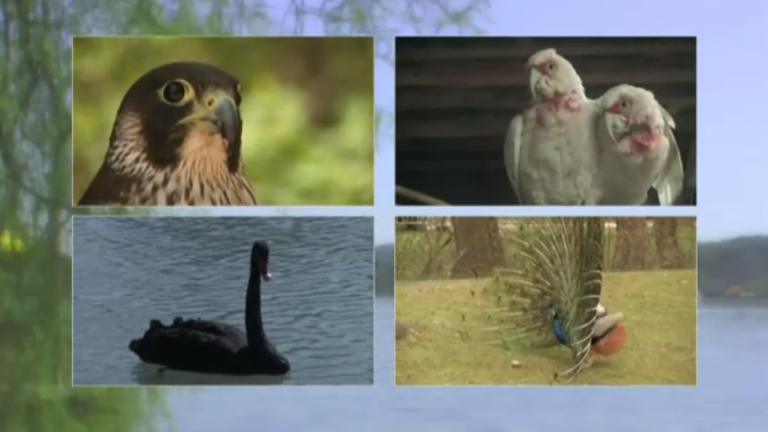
[(552, 296)]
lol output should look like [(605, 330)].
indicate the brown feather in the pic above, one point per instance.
[(166, 164)]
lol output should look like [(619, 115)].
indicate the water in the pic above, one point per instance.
[(731, 395), (318, 308)]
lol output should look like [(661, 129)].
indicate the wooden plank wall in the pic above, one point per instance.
[(456, 96)]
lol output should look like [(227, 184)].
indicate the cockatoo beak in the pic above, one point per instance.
[(644, 132), (534, 76), (633, 136), (639, 128), (617, 126)]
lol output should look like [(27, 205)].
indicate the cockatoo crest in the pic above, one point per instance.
[(551, 75), (635, 121)]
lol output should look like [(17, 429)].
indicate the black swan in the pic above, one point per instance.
[(210, 347)]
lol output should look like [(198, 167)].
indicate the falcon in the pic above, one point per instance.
[(175, 141)]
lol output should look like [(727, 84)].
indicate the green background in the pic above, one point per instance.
[(308, 109), (35, 188)]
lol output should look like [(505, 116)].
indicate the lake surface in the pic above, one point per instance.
[(318, 308), (730, 397)]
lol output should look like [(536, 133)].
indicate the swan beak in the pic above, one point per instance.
[(266, 277)]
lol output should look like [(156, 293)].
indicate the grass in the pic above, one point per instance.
[(451, 341)]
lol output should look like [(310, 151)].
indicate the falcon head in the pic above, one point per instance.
[(634, 121), (179, 112), (550, 75), (175, 141)]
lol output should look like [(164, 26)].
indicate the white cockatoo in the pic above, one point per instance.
[(638, 148), (549, 151)]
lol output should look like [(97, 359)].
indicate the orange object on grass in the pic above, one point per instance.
[(611, 343)]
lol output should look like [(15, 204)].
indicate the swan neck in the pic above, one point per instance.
[(254, 328)]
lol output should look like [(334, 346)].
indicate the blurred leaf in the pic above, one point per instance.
[(36, 132)]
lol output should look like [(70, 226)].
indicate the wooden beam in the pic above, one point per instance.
[(446, 167), (615, 65), (449, 114), (509, 106), (431, 49), (461, 148), (455, 128), (458, 148), (510, 97), (499, 78), (488, 126)]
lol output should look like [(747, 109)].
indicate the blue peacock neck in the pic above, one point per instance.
[(560, 334)]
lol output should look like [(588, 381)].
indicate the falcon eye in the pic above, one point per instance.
[(174, 92)]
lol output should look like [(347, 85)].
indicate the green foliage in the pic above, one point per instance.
[(35, 160), (308, 114), (35, 355), (58, 408), (428, 255), (738, 261)]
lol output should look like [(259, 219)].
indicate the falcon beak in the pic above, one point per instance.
[(218, 108)]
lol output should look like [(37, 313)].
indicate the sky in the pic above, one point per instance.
[(730, 39)]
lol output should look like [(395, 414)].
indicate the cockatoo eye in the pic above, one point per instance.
[(551, 66), (625, 104)]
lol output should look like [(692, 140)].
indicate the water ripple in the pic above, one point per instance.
[(318, 309), (730, 396)]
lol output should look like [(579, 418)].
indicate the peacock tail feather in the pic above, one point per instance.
[(558, 266)]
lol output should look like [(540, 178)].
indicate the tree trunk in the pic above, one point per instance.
[(631, 244), (686, 233), (667, 248), (478, 246)]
